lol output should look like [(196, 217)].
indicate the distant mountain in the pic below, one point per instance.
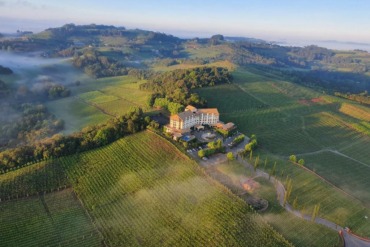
[(244, 39)]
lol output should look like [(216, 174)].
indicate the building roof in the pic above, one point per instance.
[(181, 115), (228, 126), (209, 111), (175, 117), (188, 112), (191, 108)]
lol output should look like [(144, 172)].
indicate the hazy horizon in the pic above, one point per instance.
[(38, 26), (265, 19)]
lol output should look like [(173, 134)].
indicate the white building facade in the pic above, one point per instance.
[(191, 117)]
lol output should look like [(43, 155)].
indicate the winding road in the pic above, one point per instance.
[(349, 239)]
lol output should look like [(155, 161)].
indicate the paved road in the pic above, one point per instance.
[(280, 190), (353, 240), (350, 240)]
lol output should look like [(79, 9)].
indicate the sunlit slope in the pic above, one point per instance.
[(141, 191), (55, 219), (323, 130)]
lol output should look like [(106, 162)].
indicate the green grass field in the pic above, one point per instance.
[(56, 219), (142, 191), (76, 113), (290, 119), (95, 101), (97, 97)]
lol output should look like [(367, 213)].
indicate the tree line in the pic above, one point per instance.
[(362, 98), (89, 138)]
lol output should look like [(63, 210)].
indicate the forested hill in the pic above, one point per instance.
[(54, 41), (118, 50)]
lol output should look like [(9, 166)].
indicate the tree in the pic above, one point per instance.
[(230, 156), (289, 188), (293, 158), (295, 203), (274, 169), (201, 153), (256, 163), (301, 162), (315, 212)]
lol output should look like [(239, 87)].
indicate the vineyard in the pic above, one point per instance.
[(55, 219), (44, 177), (360, 113), (290, 119), (141, 191), (296, 230)]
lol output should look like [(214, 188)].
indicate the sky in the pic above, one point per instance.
[(273, 20)]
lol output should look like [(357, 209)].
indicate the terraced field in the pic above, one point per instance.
[(142, 191)]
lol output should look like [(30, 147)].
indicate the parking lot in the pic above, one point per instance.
[(216, 158)]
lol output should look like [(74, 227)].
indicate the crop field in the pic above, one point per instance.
[(290, 119), (42, 177), (296, 230), (310, 190), (336, 170), (361, 113), (55, 219), (142, 191)]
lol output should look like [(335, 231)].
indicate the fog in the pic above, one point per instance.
[(33, 73), (31, 68)]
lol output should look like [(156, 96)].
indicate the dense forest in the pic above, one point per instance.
[(96, 65), (172, 90), (33, 123)]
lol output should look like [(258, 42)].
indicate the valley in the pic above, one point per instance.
[(109, 175)]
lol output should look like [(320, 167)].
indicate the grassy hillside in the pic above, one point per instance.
[(141, 191), (95, 101), (290, 119)]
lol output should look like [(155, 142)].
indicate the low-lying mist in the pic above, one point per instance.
[(35, 80), (30, 68)]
